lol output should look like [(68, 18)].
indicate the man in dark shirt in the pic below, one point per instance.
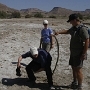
[(41, 60)]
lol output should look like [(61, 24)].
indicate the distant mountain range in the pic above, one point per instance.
[(55, 11), (31, 10)]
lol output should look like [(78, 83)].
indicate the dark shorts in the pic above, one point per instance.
[(75, 61)]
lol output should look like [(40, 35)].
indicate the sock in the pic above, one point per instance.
[(79, 85), (75, 81)]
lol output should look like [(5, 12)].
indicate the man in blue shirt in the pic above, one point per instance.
[(46, 37), (41, 60)]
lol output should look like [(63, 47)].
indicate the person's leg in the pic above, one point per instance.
[(49, 76), (43, 46), (46, 46), (49, 72), (74, 75), (30, 72), (76, 64), (79, 76), (72, 62)]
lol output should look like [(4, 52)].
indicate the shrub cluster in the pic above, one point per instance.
[(52, 16), (9, 15), (16, 15), (28, 16), (38, 15), (80, 16), (3, 14)]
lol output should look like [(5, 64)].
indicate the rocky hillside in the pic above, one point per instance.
[(87, 10), (31, 10), (64, 12), (6, 9), (60, 11)]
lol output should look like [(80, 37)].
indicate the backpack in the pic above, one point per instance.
[(78, 31)]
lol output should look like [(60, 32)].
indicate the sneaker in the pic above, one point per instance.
[(73, 85), (52, 88), (79, 88)]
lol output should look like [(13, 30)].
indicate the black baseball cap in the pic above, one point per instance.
[(72, 17)]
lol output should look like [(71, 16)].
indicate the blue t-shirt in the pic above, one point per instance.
[(45, 35), (42, 58)]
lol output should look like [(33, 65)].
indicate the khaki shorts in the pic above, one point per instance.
[(46, 46)]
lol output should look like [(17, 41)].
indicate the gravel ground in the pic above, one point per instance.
[(16, 37)]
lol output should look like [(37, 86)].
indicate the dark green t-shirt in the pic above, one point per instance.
[(77, 39)]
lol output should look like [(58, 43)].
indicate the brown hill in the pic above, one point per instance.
[(65, 12), (87, 10), (60, 11), (32, 11), (6, 9)]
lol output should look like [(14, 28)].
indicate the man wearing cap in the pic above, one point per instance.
[(46, 37), (78, 48), (41, 60)]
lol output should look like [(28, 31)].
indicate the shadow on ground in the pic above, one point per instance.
[(21, 63), (25, 82)]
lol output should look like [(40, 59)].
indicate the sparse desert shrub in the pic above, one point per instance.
[(28, 16), (87, 17), (16, 15), (52, 16), (80, 16), (3, 14), (38, 15)]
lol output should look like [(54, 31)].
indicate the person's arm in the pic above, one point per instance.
[(89, 43), (85, 49), (61, 32), (52, 40), (19, 60), (28, 54), (40, 43)]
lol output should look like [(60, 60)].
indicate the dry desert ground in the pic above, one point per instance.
[(16, 37)]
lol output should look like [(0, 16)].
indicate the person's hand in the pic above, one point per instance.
[(18, 71), (52, 46), (56, 33), (83, 57), (18, 65)]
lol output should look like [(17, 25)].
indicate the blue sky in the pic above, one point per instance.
[(47, 5)]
